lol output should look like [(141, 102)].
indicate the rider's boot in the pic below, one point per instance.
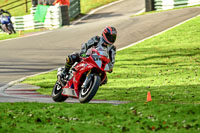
[(65, 71), (62, 75)]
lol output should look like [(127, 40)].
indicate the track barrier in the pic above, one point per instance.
[(169, 4)]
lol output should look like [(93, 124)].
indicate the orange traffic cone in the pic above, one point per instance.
[(149, 97)]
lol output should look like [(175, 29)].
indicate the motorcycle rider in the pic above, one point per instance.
[(1, 13), (106, 40)]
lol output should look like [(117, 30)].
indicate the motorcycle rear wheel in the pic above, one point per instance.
[(85, 95), (57, 93)]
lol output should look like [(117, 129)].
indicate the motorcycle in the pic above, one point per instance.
[(84, 78), (6, 24)]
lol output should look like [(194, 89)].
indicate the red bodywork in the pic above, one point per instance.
[(86, 65)]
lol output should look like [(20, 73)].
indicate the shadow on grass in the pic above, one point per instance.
[(162, 54)]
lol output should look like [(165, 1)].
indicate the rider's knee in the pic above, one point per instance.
[(74, 57)]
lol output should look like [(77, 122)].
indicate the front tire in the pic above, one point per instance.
[(5, 29), (57, 93), (85, 95), (11, 29)]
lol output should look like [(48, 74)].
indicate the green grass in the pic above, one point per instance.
[(18, 11), (4, 36), (99, 118), (167, 65), (88, 5)]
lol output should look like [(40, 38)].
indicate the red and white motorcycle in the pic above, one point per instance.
[(84, 78)]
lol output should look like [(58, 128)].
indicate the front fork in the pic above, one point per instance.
[(87, 80)]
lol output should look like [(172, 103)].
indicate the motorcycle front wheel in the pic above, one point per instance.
[(57, 93), (5, 29), (85, 95)]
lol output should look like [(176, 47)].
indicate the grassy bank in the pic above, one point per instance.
[(99, 118), (4, 36)]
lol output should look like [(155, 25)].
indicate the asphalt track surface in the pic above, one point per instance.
[(30, 55)]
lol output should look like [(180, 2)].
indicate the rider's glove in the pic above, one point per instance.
[(83, 55)]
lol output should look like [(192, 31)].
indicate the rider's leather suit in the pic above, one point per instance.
[(94, 41), (1, 13)]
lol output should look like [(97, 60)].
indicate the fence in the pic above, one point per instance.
[(170, 4), (16, 4)]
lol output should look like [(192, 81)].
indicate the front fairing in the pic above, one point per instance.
[(4, 19), (94, 62), (100, 64), (100, 58), (80, 69)]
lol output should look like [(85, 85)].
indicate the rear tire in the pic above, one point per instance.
[(86, 95), (13, 30), (57, 93)]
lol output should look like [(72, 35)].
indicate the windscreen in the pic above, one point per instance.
[(103, 52), (4, 19)]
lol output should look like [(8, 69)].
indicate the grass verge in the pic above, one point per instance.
[(18, 11), (4, 36), (99, 118), (166, 65)]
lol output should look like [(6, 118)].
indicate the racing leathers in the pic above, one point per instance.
[(99, 42), (96, 42)]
